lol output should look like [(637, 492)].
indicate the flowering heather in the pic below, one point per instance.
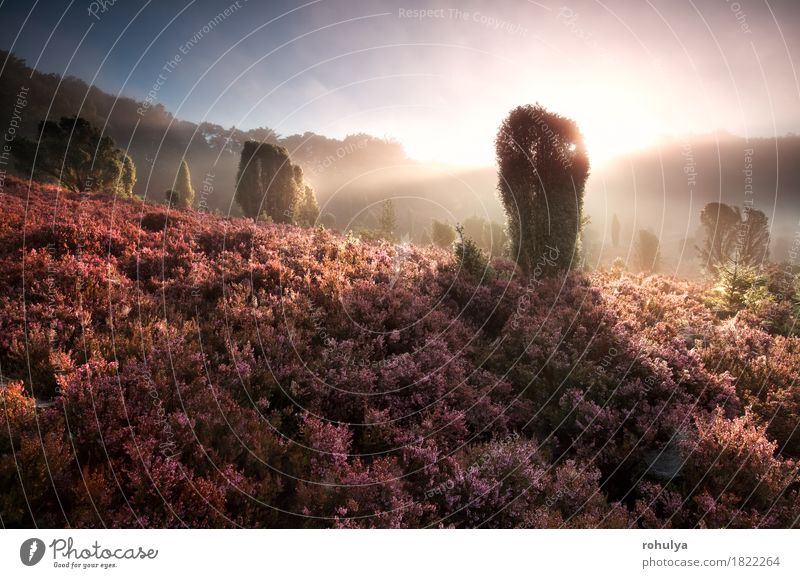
[(169, 368)]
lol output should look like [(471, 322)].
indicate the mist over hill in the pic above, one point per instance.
[(667, 185), (662, 188), (157, 140)]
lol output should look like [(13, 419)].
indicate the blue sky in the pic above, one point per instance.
[(437, 76)]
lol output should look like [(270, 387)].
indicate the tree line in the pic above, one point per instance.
[(75, 154), (542, 171)]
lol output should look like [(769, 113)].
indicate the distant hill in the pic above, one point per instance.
[(648, 189), (671, 183), (157, 141)]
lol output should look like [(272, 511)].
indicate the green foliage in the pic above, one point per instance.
[(739, 286), (183, 186), (469, 256), (297, 174), (543, 170), (647, 251), (161, 140), (268, 182), (768, 297), (75, 154), (387, 225), (442, 234), (127, 178), (249, 187), (757, 296), (307, 211)]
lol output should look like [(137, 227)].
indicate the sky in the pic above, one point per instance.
[(437, 76)]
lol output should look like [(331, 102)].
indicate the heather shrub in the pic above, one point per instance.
[(732, 478), (168, 368), (470, 258)]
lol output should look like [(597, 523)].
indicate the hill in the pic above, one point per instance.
[(158, 141), (173, 368), (662, 188), (350, 175)]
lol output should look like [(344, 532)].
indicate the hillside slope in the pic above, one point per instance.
[(167, 369)]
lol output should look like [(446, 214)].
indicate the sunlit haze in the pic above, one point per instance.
[(439, 78)]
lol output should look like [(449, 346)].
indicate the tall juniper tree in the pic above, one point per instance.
[(307, 211), (543, 167), (183, 186), (249, 188), (127, 178), (267, 182)]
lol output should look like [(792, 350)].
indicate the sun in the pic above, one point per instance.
[(606, 139), (614, 125), (611, 125)]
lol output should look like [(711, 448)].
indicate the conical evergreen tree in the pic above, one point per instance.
[(307, 211), (127, 178), (183, 186)]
